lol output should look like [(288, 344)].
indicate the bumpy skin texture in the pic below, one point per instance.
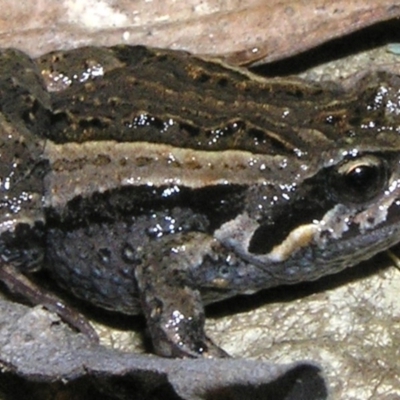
[(158, 182)]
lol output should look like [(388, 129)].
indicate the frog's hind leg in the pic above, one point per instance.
[(19, 284)]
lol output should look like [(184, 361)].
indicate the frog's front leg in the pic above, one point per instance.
[(169, 278)]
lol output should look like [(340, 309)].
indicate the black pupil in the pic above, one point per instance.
[(362, 178)]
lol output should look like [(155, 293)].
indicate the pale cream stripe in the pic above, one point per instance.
[(83, 169)]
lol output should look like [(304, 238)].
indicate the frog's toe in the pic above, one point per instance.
[(206, 348), (213, 351)]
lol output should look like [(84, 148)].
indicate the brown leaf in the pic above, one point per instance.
[(242, 31)]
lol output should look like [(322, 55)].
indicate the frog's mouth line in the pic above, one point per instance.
[(311, 262), (315, 217), (334, 242)]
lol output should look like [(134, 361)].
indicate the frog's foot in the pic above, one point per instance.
[(171, 299), (175, 334), (19, 284)]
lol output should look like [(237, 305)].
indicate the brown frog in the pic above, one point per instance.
[(151, 181)]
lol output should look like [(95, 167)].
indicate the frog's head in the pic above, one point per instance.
[(342, 209), (336, 200)]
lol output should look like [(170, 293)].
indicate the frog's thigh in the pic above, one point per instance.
[(170, 298)]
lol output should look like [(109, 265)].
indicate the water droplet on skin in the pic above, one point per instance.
[(128, 253), (105, 255)]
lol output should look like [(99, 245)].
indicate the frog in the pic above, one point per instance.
[(151, 181)]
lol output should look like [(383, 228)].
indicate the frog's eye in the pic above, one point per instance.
[(359, 179)]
